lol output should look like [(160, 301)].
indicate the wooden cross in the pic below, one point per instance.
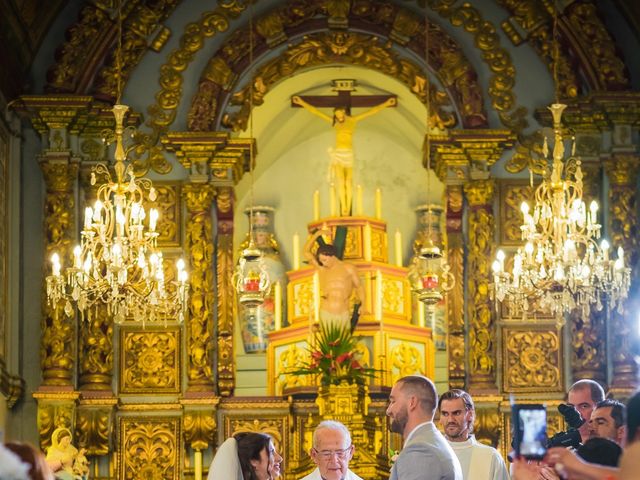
[(344, 99)]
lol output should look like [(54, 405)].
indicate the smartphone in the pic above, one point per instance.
[(529, 430)]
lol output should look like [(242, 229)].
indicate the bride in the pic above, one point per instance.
[(246, 456)]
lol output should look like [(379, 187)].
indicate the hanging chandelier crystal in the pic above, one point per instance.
[(561, 266), (118, 263), (434, 277)]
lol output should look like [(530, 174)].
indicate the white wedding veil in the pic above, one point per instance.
[(226, 464)]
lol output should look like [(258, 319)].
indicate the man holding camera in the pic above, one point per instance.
[(584, 395), (478, 461)]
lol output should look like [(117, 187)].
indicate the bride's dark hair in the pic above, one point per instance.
[(250, 444)]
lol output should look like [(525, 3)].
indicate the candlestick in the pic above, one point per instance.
[(378, 311), (367, 242), (277, 308), (359, 200), (398, 248), (332, 200), (296, 251), (197, 465), (316, 205), (316, 297), (378, 203)]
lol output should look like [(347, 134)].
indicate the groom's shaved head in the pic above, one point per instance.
[(423, 389)]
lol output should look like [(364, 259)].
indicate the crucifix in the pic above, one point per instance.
[(344, 124)]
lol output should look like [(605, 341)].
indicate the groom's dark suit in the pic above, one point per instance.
[(426, 456)]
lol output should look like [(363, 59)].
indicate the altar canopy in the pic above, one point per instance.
[(288, 144)]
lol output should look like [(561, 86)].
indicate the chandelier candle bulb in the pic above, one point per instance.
[(378, 203), (316, 205), (153, 219), (97, 211), (88, 215), (77, 257), (398, 248), (296, 251), (55, 265), (277, 306)]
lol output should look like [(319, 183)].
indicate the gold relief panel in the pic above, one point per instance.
[(406, 357), (532, 358), (149, 448), (150, 360), (277, 426), (393, 296), (290, 357), (379, 245), (302, 293), (353, 244), (170, 218), (512, 194)]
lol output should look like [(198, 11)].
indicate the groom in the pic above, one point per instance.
[(426, 454)]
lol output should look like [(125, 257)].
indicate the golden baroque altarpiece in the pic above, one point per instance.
[(159, 397)]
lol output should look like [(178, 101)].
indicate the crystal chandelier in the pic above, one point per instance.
[(118, 263), (561, 266), (435, 279), (251, 278)]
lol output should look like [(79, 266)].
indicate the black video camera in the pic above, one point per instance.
[(570, 437)]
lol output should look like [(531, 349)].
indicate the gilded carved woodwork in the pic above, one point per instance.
[(149, 447), (199, 427), (149, 361), (512, 194), (622, 170), (489, 422), (482, 347), (57, 341), (54, 410), (92, 34), (455, 298), (225, 291), (169, 209), (405, 359), (199, 243), (532, 359), (275, 426), (94, 427)]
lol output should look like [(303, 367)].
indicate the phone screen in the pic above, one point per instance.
[(530, 430)]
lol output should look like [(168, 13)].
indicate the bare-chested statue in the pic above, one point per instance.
[(338, 280)]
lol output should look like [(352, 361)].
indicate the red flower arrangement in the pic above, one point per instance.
[(334, 357)]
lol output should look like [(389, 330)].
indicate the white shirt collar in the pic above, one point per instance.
[(414, 430)]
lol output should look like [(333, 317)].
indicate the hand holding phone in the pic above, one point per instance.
[(529, 430)]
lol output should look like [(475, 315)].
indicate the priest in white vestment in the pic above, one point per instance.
[(478, 461), (332, 450)]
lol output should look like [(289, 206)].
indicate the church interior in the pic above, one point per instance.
[(167, 248)]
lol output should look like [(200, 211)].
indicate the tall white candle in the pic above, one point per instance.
[(316, 297), (378, 310), (367, 242), (277, 309), (378, 203), (296, 251), (421, 322), (398, 248), (316, 205), (333, 206)]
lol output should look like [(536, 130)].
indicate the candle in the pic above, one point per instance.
[(332, 200), (77, 257), (378, 203), (88, 214), (277, 307), (296, 251), (367, 242), (197, 467), (97, 211), (153, 218), (316, 205), (378, 310), (421, 322), (55, 264), (398, 245), (359, 200), (316, 297)]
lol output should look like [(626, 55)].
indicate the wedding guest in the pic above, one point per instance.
[(332, 450), (38, 469)]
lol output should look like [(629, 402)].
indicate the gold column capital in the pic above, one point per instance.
[(463, 154), (480, 192), (193, 148), (622, 169), (54, 112)]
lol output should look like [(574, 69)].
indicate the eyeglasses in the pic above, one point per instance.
[(327, 454)]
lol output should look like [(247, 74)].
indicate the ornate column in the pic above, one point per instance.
[(57, 118), (622, 170)]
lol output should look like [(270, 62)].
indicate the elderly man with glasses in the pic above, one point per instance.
[(332, 450)]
